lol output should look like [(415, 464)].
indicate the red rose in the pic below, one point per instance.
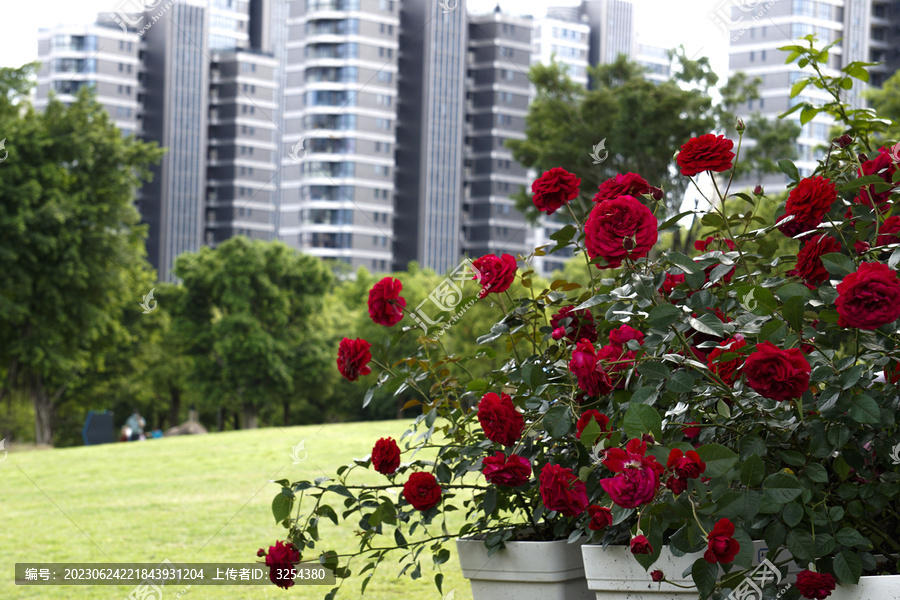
[(585, 365), (385, 302), (386, 456), (620, 336), (657, 575), (641, 545), (353, 358), (580, 325), (511, 472), (422, 491), (861, 247), (588, 416), (808, 202), (777, 374), (868, 298), (721, 546), (883, 166), (637, 479), (629, 184), (499, 419), (618, 229), (727, 370), (690, 432), (617, 361), (561, 490), (600, 517), (558, 333), (705, 153), (495, 274), (815, 585), (670, 283), (889, 232), (892, 372), (676, 484), (686, 465), (553, 189), (809, 262), (281, 560)]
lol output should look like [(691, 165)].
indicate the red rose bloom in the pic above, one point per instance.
[(883, 166), (386, 456), (889, 232), (868, 298), (641, 545), (777, 374), (353, 358), (815, 585), (616, 361), (618, 229), (553, 189), (281, 560), (809, 261), (588, 416), (808, 202), (499, 419), (562, 491), (727, 370), (686, 465), (422, 491), (629, 184), (637, 479), (676, 484), (585, 365), (620, 336), (690, 432), (721, 546), (657, 575), (511, 471), (861, 247), (705, 153), (671, 282), (495, 274), (581, 324), (600, 517), (385, 302)]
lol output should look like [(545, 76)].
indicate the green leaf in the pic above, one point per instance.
[(782, 487), (847, 567), (788, 168), (683, 262), (368, 398), (719, 459), (593, 301), (792, 514), (642, 418), (847, 536), (863, 409), (558, 421), (744, 504), (708, 324), (653, 370), (790, 290), (752, 471), (758, 300), (838, 264), (817, 473), (793, 312), (670, 222), (704, 575), (489, 501), (281, 507), (680, 382), (663, 315), (802, 545)]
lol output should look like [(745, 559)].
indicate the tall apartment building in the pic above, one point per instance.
[(612, 29), (340, 118), (655, 60), (430, 135), (101, 56), (869, 32)]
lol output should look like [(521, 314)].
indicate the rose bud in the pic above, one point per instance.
[(758, 190), (657, 575), (842, 141), (739, 126), (656, 193), (558, 333)]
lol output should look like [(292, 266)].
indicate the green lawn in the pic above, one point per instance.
[(186, 499)]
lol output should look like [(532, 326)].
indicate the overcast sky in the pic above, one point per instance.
[(662, 22)]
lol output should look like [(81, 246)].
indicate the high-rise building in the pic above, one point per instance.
[(340, 119), (612, 29), (101, 56), (868, 32), (430, 136), (655, 60)]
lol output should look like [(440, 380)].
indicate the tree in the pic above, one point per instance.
[(72, 247), (886, 103), (246, 307)]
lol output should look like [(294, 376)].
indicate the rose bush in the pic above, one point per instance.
[(745, 393)]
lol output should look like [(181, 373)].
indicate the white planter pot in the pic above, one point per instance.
[(880, 587), (524, 571), (614, 574)]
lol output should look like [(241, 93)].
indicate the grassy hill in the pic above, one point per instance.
[(187, 499)]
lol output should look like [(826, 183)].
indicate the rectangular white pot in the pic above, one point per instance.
[(524, 570)]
